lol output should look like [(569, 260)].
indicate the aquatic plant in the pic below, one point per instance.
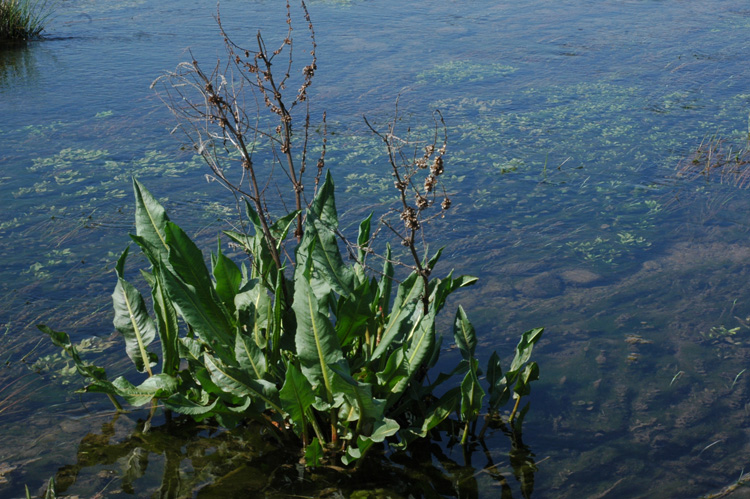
[(308, 345), (714, 158), (23, 19)]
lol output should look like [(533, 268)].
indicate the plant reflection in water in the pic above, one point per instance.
[(198, 460)]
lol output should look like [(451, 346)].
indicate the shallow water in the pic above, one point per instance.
[(567, 121)]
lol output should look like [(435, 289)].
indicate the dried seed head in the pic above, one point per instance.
[(446, 203), (409, 216), (430, 182), (401, 186), (429, 150), (437, 166), (422, 202)]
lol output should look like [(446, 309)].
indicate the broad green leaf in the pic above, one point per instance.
[(525, 346), (187, 259), (394, 371), (529, 373), (150, 218), (319, 243), (202, 314), (166, 322), (254, 309), (132, 320), (354, 313), (249, 356), (386, 282), (464, 334), (313, 453), (385, 428), (237, 382), (400, 318), (190, 349), (316, 341), (495, 380), (440, 289), (472, 394), (228, 278), (296, 397), (363, 240), (182, 404), (189, 286), (157, 386), (359, 396), (418, 348), (280, 228)]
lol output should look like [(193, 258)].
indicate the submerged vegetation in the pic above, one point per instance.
[(312, 348), (23, 19)]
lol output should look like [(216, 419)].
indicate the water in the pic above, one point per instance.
[(567, 121)]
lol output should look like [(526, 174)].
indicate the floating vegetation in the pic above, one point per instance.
[(460, 72)]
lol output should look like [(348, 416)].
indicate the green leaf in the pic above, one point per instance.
[(464, 334), (525, 346), (384, 429), (359, 396), (190, 289), (313, 453), (394, 371), (296, 397), (316, 340), (472, 394), (187, 259), (401, 316), (249, 356), (319, 243), (495, 380), (166, 322), (237, 382), (418, 349), (530, 373), (150, 218), (184, 405), (353, 313), (280, 228), (386, 282), (132, 320), (157, 386), (228, 278), (254, 311)]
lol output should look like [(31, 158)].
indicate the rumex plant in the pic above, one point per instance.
[(299, 339)]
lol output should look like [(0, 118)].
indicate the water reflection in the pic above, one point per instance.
[(182, 458), (17, 63)]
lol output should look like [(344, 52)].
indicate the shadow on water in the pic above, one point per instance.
[(182, 458)]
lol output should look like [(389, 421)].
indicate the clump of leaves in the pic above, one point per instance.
[(300, 340)]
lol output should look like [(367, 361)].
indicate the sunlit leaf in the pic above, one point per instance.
[(132, 320)]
